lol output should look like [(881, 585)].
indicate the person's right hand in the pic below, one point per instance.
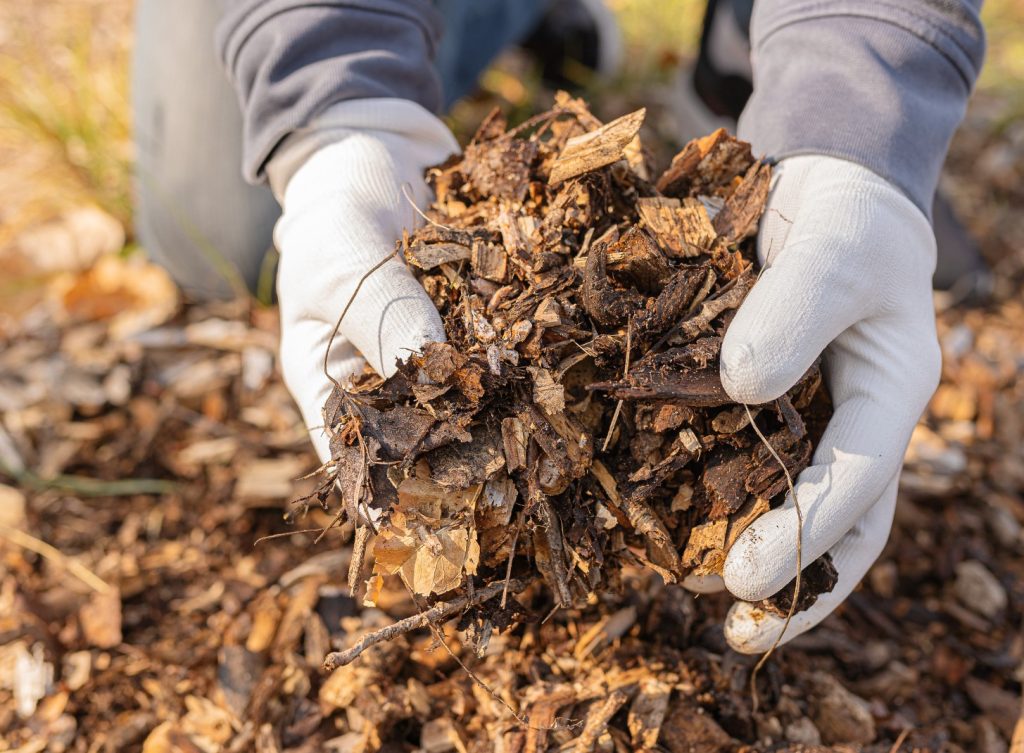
[(340, 182)]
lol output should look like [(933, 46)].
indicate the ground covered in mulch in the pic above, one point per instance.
[(154, 448)]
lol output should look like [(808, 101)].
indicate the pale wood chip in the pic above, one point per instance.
[(547, 393), (598, 148), (710, 535), (430, 255), (740, 520), (682, 228)]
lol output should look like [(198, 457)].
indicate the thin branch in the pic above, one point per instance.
[(899, 741), (272, 536), (355, 567), (597, 721), (438, 612), (440, 637), (511, 557)]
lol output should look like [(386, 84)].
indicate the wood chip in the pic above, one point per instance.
[(597, 148)]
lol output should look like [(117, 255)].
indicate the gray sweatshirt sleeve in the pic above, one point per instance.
[(290, 59), (883, 84)]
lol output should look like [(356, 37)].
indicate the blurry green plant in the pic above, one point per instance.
[(1003, 74), (658, 34), (64, 71)]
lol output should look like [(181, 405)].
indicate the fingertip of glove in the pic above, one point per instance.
[(749, 629), (735, 369), (752, 566), (748, 377), (703, 584), (741, 574)]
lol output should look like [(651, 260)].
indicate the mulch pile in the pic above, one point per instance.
[(154, 447), (574, 424)]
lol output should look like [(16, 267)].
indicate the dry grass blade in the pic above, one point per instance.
[(625, 373), (799, 560), (73, 566), (900, 740), (344, 311)]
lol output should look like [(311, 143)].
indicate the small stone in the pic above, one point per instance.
[(769, 729), (883, 577), (877, 654), (987, 738), (1004, 526), (12, 506), (803, 731), (76, 670), (978, 589), (840, 716), (895, 682)]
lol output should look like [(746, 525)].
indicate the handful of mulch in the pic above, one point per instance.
[(574, 423)]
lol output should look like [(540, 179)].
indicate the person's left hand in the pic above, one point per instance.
[(848, 261)]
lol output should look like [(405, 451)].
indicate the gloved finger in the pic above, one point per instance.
[(799, 305), (392, 317), (389, 314), (704, 584), (881, 374), (751, 630), (302, 366), (824, 251), (333, 243)]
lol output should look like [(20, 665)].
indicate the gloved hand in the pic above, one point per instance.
[(848, 261), (340, 182)]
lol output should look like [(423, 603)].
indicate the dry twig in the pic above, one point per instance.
[(438, 612)]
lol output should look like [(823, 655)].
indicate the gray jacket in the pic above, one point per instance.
[(883, 84)]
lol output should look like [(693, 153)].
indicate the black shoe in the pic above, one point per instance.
[(575, 41), (960, 270), (722, 75)]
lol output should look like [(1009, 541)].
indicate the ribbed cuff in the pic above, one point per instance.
[(418, 138), (868, 90)]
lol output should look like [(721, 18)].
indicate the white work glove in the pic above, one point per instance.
[(848, 262), (340, 183)]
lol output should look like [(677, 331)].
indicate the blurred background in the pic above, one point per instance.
[(65, 125), (146, 443)]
